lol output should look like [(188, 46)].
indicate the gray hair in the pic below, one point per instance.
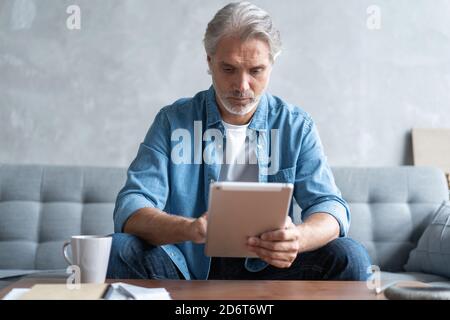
[(246, 21)]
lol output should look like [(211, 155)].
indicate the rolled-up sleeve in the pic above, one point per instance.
[(147, 183), (315, 189)]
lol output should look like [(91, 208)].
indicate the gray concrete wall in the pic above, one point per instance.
[(88, 96)]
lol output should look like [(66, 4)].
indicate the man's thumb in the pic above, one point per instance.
[(288, 222)]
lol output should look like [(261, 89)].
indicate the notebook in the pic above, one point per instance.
[(86, 291)]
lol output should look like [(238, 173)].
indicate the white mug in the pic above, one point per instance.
[(91, 255)]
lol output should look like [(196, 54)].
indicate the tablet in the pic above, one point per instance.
[(238, 210)]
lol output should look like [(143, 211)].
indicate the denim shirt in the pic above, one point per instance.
[(288, 150)]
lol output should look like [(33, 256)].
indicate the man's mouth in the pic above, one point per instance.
[(240, 99)]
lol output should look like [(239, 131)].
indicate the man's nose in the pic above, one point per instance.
[(242, 82)]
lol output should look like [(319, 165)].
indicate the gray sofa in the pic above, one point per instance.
[(41, 206)]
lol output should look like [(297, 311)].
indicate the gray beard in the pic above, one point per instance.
[(237, 111), (241, 110)]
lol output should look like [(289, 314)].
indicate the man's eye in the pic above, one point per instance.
[(256, 71), (228, 70)]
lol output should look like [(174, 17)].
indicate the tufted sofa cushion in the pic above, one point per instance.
[(391, 207), (41, 206)]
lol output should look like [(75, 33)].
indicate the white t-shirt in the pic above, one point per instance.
[(239, 155)]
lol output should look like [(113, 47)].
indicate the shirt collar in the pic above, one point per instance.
[(258, 121)]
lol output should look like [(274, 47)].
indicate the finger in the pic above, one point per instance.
[(277, 263), (288, 222), (280, 235), (274, 255), (274, 245), (202, 226)]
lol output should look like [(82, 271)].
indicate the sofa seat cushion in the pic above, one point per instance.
[(387, 277), (10, 273)]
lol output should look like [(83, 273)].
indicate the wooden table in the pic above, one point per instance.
[(240, 290)]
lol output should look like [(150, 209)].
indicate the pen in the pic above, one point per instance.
[(109, 290), (126, 293)]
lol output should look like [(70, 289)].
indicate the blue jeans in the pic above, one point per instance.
[(340, 259), (133, 258)]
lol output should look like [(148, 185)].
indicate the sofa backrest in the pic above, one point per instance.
[(41, 206), (391, 207)]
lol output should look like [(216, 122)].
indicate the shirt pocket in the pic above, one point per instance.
[(283, 176)]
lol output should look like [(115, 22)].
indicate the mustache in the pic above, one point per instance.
[(240, 95)]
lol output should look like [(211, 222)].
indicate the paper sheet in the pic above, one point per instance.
[(16, 293), (140, 293)]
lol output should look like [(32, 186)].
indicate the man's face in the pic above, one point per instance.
[(240, 73)]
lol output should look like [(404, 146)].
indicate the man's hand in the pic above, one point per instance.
[(279, 247), (197, 229)]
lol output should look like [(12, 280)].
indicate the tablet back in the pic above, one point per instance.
[(238, 210)]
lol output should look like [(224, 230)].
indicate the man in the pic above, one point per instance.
[(160, 215)]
